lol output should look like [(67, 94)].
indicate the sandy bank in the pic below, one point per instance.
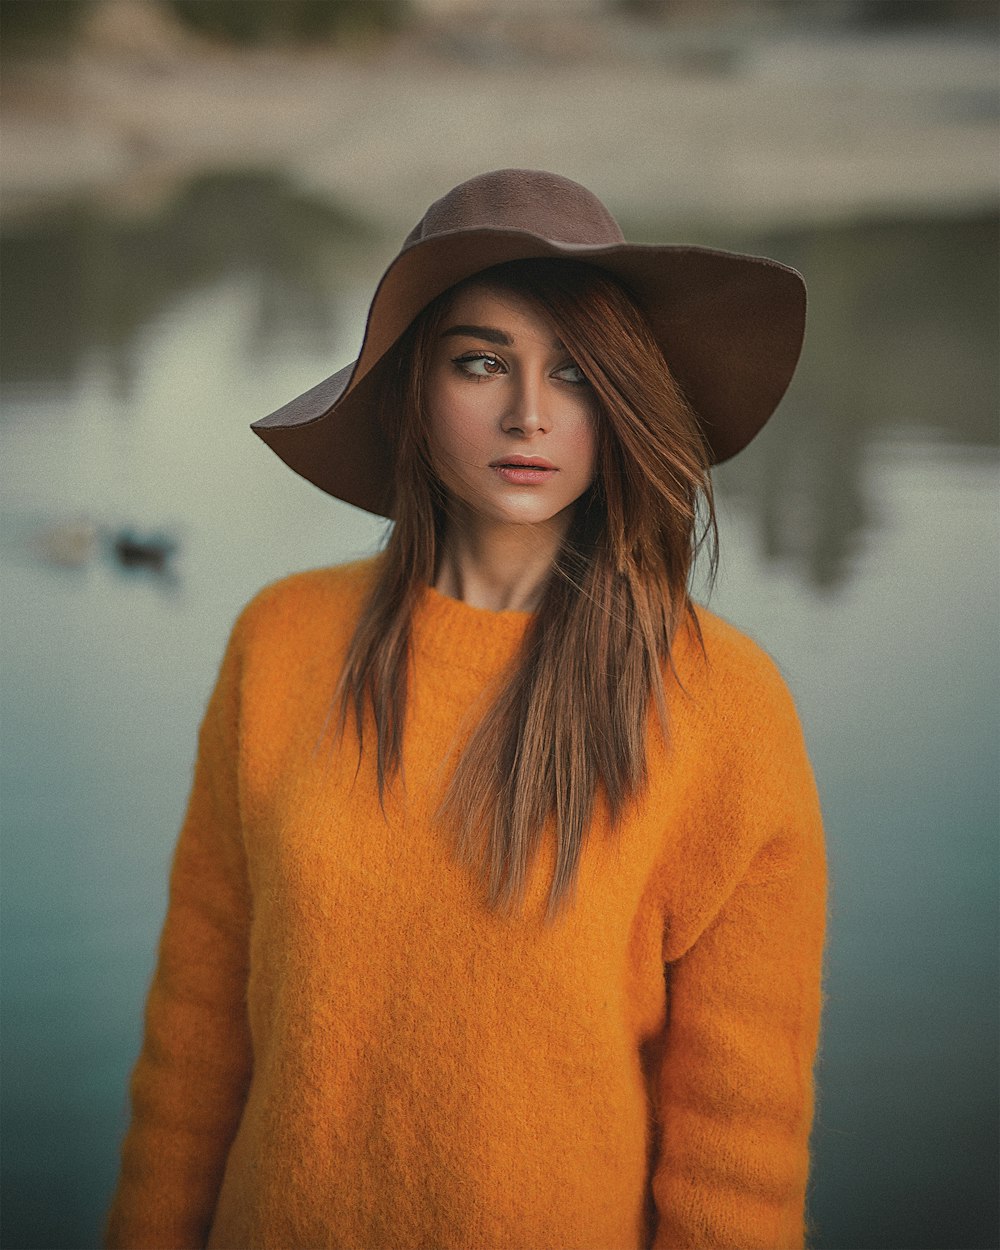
[(778, 128)]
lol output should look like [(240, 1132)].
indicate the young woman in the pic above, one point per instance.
[(497, 914)]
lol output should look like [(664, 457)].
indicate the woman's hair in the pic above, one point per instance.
[(571, 716)]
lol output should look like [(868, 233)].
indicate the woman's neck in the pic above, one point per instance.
[(498, 566)]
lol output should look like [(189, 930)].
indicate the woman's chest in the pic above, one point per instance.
[(353, 888)]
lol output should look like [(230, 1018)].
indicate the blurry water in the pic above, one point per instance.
[(859, 545)]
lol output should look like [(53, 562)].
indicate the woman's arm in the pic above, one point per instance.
[(189, 1084), (735, 1086)]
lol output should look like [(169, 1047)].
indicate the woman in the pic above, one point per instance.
[(497, 914)]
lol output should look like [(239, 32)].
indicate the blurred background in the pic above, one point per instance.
[(198, 197)]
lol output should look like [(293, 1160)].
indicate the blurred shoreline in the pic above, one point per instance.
[(746, 127)]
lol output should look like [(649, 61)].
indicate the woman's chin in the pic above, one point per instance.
[(533, 513), (518, 507)]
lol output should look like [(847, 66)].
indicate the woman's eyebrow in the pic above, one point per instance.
[(479, 332), (489, 334)]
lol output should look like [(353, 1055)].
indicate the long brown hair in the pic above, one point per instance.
[(610, 606)]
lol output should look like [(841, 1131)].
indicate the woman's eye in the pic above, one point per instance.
[(576, 372), (491, 365)]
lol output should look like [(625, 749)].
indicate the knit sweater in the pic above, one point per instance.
[(346, 1049)]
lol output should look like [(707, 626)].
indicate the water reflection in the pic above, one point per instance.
[(900, 345), (82, 280), (900, 340)]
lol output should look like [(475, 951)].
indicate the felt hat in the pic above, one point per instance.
[(730, 326)]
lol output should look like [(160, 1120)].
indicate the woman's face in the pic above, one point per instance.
[(512, 419)]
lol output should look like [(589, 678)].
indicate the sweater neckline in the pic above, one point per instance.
[(461, 635)]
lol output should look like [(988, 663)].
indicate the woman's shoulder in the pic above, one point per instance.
[(328, 597), (741, 713), (733, 672)]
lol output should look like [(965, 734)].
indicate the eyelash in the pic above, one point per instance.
[(459, 361)]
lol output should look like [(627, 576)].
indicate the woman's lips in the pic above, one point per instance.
[(524, 470), (523, 474)]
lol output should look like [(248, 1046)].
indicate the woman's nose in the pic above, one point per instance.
[(527, 411)]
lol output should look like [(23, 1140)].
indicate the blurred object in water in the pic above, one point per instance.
[(70, 544), (74, 542), (150, 551)]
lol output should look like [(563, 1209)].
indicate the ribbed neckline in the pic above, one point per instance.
[(454, 632)]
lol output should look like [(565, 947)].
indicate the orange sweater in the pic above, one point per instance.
[(345, 1049)]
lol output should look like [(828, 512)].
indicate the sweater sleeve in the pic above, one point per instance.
[(188, 1086), (735, 1083)]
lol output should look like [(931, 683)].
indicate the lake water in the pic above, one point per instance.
[(859, 543)]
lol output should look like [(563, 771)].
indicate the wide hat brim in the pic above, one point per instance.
[(730, 327)]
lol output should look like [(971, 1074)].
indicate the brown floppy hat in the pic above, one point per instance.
[(730, 326)]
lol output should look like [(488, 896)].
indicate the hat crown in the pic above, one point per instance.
[(532, 200)]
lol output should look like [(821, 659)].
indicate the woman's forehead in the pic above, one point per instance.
[(488, 305)]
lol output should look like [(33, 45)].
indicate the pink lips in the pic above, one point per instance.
[(524, 470)]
